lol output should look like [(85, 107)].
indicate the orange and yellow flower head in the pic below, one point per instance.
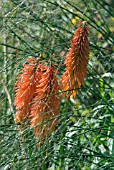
[(76, 62)]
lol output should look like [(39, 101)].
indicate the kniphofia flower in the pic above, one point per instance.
[(25, 88), (76, 62), (45, 109)]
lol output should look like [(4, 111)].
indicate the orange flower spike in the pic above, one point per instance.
[(46, 104), (76, 62), (25, 88)]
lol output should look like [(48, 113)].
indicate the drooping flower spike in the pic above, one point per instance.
[(76, 62), (45, 109), (25, 89)]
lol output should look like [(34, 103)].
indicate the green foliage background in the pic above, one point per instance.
[(84, 138)]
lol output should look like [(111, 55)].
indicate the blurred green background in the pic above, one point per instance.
[(84, 138)]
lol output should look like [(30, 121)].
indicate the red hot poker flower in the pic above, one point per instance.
[(25, 88), (46, 104), (76, 62)]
